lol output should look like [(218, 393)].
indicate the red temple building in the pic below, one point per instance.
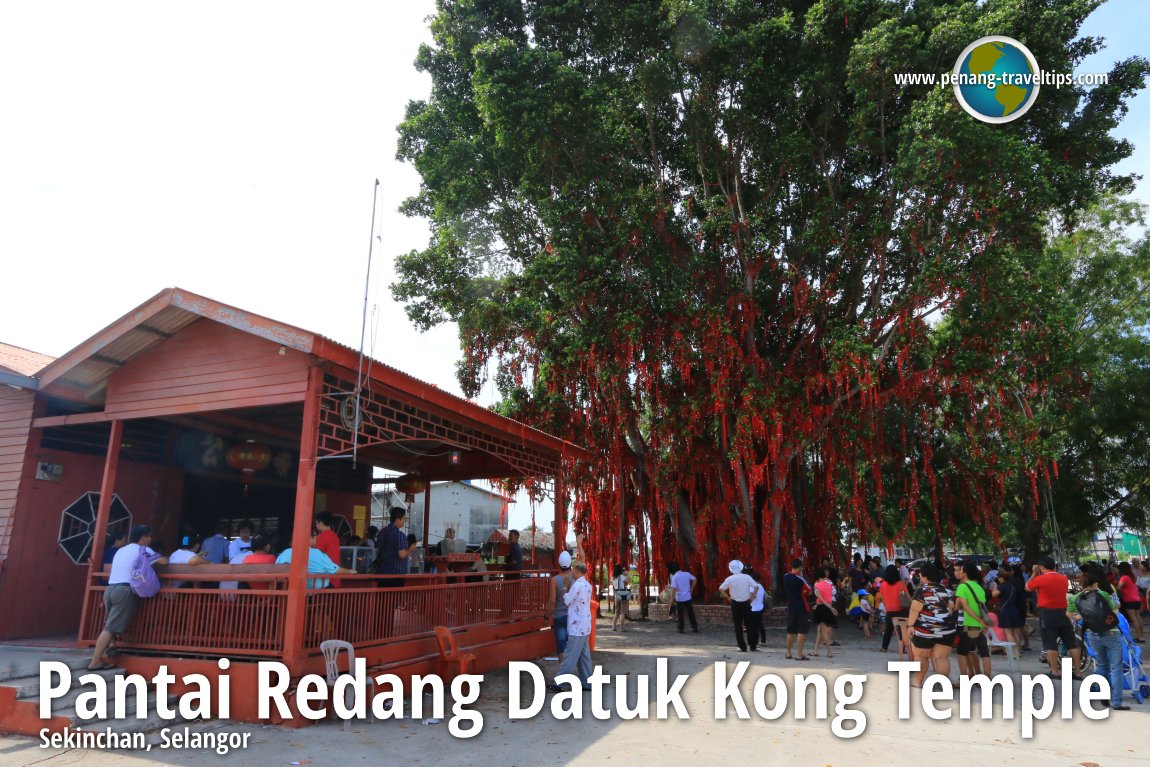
[(186, 413)]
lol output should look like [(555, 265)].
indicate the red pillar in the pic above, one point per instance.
[(103, 511), (296, 615)]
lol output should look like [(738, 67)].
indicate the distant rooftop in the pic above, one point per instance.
[(22, 361)]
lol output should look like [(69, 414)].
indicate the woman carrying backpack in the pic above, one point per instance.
[(1100, 621)]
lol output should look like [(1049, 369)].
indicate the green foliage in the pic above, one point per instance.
[(707, 239)]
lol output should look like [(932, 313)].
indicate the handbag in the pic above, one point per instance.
[(667, 596), (904, 599)]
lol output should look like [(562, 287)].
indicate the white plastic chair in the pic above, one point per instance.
[(1010, 649), (331, 649)]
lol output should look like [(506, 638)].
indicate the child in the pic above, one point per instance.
[(862, 610)]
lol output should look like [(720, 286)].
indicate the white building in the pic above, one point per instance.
[(471, 511)]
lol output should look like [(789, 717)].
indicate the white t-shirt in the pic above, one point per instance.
[(236, 550), (757, 603), (123, 562), (741, 587), (181, 557), (681, 581)]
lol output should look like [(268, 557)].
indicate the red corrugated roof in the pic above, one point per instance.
[(22, 361), (87, 367)]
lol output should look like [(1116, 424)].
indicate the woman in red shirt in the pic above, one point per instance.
[(890, 587), (1131, 600), (261, 555)]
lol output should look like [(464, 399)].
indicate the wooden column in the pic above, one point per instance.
[(103, 511), (295, 619)]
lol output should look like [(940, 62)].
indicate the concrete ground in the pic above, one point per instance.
[(544, 740)]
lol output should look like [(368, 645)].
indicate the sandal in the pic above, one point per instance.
[(802, 657), (101, 667)]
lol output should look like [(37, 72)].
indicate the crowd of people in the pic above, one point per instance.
[(131, 551), (939, 612)]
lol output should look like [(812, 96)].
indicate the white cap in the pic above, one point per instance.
[(564, 559), (735, 567)]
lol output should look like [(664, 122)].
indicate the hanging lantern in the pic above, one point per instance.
[(249, 457), (410, 485)]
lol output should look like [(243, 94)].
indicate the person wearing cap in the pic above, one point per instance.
[(559, 585), (740, 589), (120, 601)]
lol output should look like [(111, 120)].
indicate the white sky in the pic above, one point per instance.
[(229, 148)]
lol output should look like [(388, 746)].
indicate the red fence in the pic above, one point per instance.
[(211, 621), (372, 616)]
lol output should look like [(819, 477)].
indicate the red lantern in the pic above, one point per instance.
[(410, 485), (249, 457)]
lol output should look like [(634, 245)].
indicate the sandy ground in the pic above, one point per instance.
[(544, 740)]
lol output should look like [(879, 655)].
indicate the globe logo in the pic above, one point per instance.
[(996, 79)]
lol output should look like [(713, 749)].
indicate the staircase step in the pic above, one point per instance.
[(28, 687), (26, 665)]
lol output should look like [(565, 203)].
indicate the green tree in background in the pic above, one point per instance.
[(707, 239)]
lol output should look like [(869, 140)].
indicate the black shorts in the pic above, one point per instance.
[(825, 616), (969, 646), (1132, 606), (928, 643), (798, 621), (1055, 625)]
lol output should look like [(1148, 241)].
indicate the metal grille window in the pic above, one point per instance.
[(78, 524)]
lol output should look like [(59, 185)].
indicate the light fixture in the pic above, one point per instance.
[(283, 350), (455, 457)]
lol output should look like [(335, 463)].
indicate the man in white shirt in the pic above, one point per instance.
[(741, 589), (578, 651), (119, 600), (239, 549)]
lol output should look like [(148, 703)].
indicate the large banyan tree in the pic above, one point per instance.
[(777, 294)]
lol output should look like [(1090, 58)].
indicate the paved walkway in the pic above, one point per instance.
[(1116, 742)]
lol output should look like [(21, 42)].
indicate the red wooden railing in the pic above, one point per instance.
[(373, 616), (216, 622)]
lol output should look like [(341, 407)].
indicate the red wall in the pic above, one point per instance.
[(42, 589), (206, 366), (15, 422)]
